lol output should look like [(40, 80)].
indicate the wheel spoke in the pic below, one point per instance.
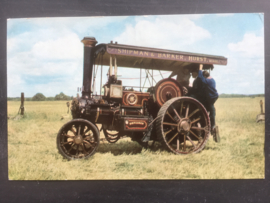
[(187, 111), (194, 121), (182, 103), (88, 136), (171, 116), (166, 133), (191, 141), (194, 134), (173, 138), (72, 130), (71, 147), (83, 148), (82, 130), (67, 142), (176, 112), (88, 143), (79, 130), (69, 136), (86, 130), (172, 124), (197, 128), (195, 111)]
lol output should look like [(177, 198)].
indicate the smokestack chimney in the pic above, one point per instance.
[(88, 60)]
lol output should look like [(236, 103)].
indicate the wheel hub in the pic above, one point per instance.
[(184, 125), (168, 95), (78, 139)]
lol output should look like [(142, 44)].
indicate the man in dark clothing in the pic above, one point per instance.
[(211, 95), (198, 89)]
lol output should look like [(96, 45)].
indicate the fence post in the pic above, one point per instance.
[(22, 103)]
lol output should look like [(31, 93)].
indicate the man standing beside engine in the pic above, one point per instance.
[(210, 99)]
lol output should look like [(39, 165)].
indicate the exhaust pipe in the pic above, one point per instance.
[(88, 61)]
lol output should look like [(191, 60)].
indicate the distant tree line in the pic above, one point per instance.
[(41, 97), (62, 96), (240, 95)]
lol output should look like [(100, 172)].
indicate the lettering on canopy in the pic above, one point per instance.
[(166, 56)]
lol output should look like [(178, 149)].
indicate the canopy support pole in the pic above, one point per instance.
[(140, 79), (145, 80), (151, 76), (115, 67), (161, 74), (111, 66), (101, 69), (148, 78)]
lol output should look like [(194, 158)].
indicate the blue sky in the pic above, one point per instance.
[(45, 54)]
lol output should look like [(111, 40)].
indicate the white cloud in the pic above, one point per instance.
[(19, 42), (242, 75), (245, 66), (250, 46), (66, 47), (14, 80), (49, 78), (163, 32), (27, 63), (244, 84), (50, 48), (47, 52)]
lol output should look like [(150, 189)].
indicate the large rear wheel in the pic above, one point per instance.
[(183, 125)]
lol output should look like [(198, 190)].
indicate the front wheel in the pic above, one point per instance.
[(183, 125), (78, 139)]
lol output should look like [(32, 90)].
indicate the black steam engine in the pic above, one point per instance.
[(161, 113)]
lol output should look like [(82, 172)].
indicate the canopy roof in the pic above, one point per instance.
[(152, 58)]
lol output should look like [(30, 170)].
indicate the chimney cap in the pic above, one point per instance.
[(89, 41)]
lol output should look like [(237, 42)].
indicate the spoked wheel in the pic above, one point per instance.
[(183, 125), (111, 136), (78, 139)]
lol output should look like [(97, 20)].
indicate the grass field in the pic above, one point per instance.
[(33, 155)]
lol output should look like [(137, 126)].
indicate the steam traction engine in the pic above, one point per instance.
[(161, 114)]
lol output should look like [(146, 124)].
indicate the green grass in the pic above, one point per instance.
[(32, 152)]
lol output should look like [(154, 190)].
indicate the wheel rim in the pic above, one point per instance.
[(78, 139), (183, 125)]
